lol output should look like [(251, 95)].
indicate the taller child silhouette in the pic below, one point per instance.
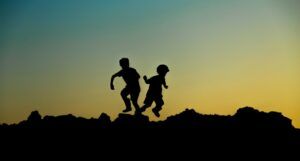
[(132, 88)]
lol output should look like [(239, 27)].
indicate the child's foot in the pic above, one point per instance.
[(156, 112), (127, 110)]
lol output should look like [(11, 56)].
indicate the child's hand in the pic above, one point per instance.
[(145, 77), (112, 87)]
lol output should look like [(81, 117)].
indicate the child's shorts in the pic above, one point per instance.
[(151, 98)]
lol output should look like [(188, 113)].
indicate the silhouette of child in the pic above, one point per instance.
[(132, 88), (154, 92)]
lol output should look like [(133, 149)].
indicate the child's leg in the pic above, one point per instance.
[(144, 108), (124, 94), (159, 103), (134, 98), (147, 103)]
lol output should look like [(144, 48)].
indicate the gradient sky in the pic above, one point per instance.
[(57, 56)]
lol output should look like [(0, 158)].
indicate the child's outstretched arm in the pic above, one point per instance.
[(112, 87), (146, 79)]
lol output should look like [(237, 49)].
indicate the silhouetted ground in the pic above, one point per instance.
[(249, 131)]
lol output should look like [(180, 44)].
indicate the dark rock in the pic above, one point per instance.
[(34, 117)]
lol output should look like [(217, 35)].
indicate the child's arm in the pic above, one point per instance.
[(165, 84), (146, 79), (112, 87)]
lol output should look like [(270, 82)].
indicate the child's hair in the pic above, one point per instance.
[(124, 62), (162, 69)]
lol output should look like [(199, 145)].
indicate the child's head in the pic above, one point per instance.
[(124, 63), (162, 69)]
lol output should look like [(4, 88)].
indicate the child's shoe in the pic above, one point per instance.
[(156, 112)]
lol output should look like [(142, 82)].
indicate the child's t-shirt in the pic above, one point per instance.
[(130, 76), (156, 83)]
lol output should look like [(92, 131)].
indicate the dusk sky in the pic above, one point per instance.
[(57, 56)]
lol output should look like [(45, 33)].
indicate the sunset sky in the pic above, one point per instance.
[(57, 56)]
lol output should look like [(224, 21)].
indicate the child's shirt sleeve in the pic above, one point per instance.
[(119, 73)]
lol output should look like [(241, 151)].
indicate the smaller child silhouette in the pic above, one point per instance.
[(154, 92)]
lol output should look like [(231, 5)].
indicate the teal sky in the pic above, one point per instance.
[(57, 56)]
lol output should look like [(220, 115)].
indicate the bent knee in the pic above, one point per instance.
[(124, 94), (161, 104)]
